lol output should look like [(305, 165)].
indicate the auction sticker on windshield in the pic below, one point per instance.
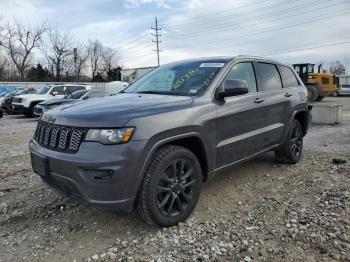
[(212, 64)]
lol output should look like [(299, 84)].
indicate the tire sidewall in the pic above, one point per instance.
[(292, 156), (155, 175)]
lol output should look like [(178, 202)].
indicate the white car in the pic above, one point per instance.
[(25, 103)]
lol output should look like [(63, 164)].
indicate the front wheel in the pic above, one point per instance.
[(171, 187), (290, 151)]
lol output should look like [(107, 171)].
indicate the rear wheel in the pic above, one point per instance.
[(171, 188), (312, 93), (290, 151)]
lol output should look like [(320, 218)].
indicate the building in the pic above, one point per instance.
[(132, 74)]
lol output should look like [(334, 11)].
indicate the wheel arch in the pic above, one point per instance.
[(303, 117), (192, 141)]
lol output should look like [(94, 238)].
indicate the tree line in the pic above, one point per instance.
[(44, 53)]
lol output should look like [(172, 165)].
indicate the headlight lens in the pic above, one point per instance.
[(110, 136)]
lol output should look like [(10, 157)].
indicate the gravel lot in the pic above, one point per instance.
[(258, 211)]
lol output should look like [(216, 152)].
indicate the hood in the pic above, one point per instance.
[(114, 111), (56, 102)]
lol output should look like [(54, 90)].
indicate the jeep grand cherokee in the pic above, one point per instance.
[(151, 147)]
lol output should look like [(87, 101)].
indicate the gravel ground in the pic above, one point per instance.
[(258, 211)]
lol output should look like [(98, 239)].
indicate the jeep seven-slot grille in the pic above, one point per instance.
[(60, 138)]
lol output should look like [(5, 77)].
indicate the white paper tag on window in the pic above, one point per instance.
[(212, 64)]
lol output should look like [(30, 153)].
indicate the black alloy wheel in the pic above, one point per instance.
[(175, 187), (296, 141)]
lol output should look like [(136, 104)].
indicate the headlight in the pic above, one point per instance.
[(110, 136)]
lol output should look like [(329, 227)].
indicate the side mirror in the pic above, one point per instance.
[(85, 97), (54, 93), (233, 87)]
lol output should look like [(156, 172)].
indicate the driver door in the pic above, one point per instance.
[(240, 119)]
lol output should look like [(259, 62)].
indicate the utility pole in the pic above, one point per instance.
[(157, 41)]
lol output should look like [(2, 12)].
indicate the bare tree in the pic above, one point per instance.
[(20, 41), (95, 53), (3, 66), (109, 58), (58, 50)]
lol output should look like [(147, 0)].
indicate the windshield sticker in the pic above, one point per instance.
[(212, 64)]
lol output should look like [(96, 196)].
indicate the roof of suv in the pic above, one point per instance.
[(230, 58)]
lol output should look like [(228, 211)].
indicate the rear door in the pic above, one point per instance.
[(240, 119), (276, 104)]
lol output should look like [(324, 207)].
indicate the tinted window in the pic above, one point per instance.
[(245, 72), (269, 77), (59, 90), (71, 89), (77, 94), (288, 76)]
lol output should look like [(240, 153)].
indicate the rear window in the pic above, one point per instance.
[(269, 77), (288, 76)]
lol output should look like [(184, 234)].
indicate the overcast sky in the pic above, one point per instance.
[(197, 28)]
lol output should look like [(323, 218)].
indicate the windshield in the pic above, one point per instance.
[(186, 79), (43, 90), (77, 94)]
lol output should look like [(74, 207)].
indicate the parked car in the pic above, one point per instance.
[(74, 97), (151, 147), (25, 104), (6, 104), (115, 87)]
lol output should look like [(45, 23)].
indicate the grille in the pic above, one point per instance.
[(59, 138), (17, 100)]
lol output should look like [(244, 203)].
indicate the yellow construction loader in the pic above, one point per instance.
[(319, 85)]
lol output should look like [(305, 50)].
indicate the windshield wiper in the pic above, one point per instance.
[(153, 92)]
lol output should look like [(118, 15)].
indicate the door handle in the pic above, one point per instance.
[(287, 95), (258, 100)]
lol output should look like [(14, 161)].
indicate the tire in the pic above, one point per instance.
[(290, 151), (319, 98), (312, 93), (166, 199)]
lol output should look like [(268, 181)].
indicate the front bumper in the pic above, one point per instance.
[(19, 108), (101, 175)]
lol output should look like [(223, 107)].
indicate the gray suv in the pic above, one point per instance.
[(151, 147)]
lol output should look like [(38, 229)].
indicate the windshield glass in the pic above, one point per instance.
[(77, 94), (43, 90), (186, 79)]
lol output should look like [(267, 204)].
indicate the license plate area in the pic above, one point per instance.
[(40, 164)]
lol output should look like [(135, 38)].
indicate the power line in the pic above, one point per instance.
[(167, 25), (266, 30), (244, 21), (156, 35), (307, 48)]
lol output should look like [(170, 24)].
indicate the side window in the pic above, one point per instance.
[(288, 77), (71, 89), (243, 71), (269, 77), (60, 90)]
